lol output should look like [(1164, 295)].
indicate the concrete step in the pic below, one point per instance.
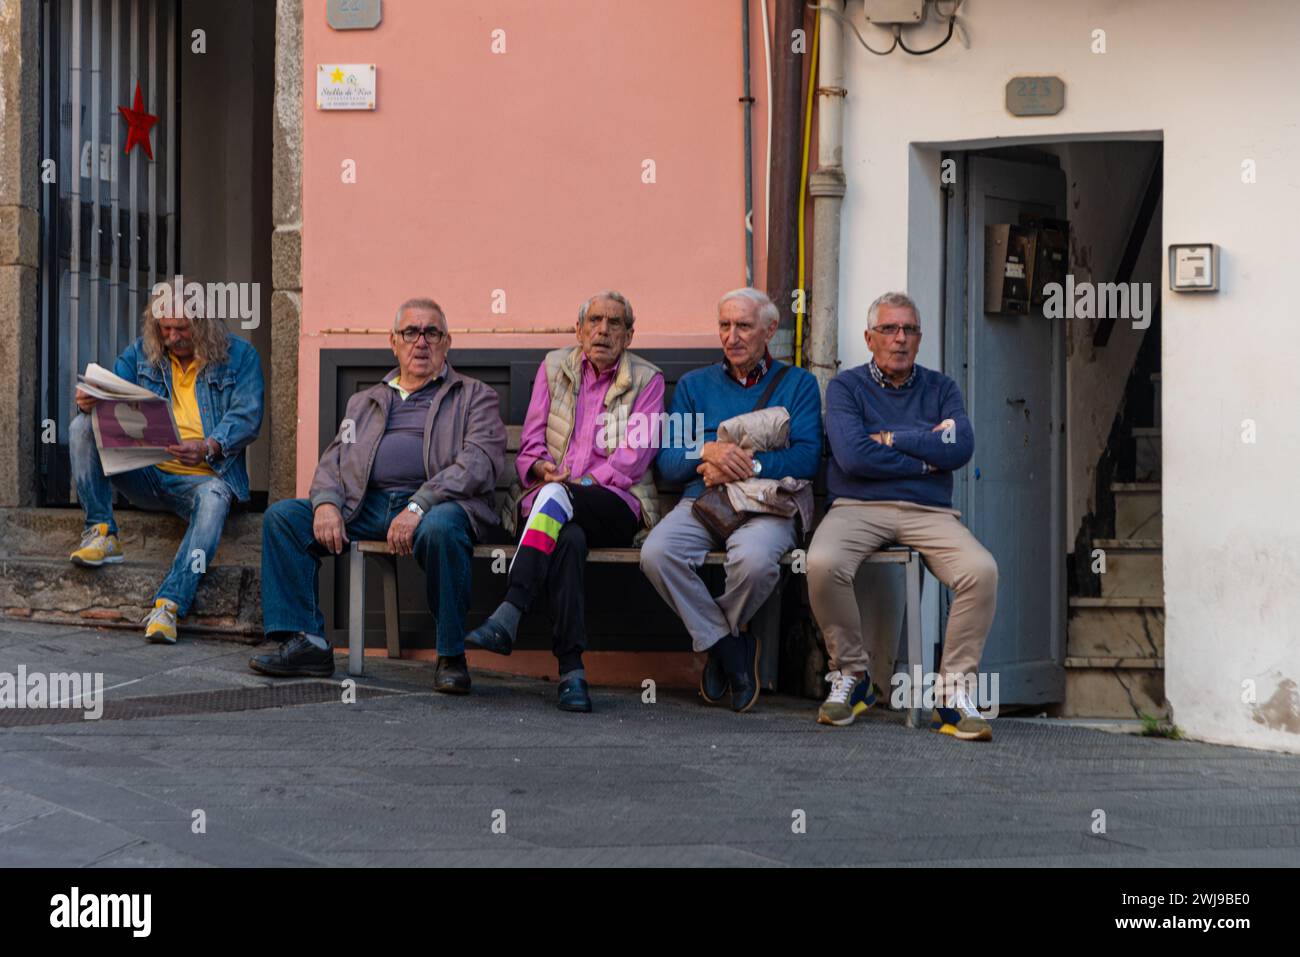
[(1130, 628), (1134, 568), (1102, 687), (145, 536), (1137, 510), (228, 601)]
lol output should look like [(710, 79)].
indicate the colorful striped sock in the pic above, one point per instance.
[(551, 509)]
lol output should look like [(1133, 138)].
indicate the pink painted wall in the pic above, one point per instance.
[(522, 172)]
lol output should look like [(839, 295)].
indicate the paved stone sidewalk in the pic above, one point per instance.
[(417, 778)]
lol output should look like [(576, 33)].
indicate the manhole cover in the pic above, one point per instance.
[(192, 702)]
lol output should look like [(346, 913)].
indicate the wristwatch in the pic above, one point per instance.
[(587, 480), (415, 507), (208, 454), (758, 467)]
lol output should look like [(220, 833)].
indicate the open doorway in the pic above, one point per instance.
[(1062, 388), (194, 200)]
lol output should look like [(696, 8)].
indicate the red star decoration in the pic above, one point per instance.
[(138, 124)]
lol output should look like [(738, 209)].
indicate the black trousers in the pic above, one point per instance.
[(600, 520)]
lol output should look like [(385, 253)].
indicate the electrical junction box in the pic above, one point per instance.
[(1010, 252), (1051, 254), (882, 12)]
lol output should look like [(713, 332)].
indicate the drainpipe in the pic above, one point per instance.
[(826, 186), (748, 100), (783, 175)]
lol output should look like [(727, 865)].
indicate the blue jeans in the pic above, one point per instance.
[(202, 500), (291, 557)]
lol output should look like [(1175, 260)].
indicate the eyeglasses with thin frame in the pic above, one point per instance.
[(432, 334), (890, 329)]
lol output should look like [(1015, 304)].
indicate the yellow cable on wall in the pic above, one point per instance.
[(803, 192)]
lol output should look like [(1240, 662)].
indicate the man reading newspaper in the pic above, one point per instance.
[(204, 407)]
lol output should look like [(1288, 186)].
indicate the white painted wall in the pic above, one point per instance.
[(1219, 81)]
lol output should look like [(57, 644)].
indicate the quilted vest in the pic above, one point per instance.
[(564, 380)]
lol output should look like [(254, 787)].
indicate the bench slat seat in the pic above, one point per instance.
[(765, 621), (894, 554)]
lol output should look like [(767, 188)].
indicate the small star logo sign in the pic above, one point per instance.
[(337, 75), (138, 124)]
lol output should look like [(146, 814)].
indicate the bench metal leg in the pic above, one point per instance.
[(915, 653), (765, 626), (356, 610), (391, 622)]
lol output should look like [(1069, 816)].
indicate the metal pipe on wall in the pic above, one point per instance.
[(826, 186), (783, 214), (747, 100)]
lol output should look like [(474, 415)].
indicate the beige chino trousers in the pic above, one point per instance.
[(852, 530)]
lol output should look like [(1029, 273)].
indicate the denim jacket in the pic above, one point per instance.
[(229, 395)]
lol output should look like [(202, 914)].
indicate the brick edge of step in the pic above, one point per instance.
[(210, 629), (233, 612)]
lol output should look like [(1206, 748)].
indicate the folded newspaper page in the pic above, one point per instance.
[(133, 427)]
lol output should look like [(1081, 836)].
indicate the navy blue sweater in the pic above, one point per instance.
[(864, 469), (717, 396)]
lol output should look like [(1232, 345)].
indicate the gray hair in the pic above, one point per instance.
[(423, 303), (764, 308), (899, 300), (613, 296)]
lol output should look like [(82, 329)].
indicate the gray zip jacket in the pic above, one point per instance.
[(464, 450)]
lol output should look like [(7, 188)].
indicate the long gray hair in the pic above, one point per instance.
[(211, 338)]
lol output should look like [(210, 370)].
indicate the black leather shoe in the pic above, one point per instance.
[(574, 696), (491, 636), (713, 679), (296, 658), (744, 685), (451, 675)]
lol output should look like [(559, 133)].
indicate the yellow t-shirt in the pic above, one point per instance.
[(185, 409)]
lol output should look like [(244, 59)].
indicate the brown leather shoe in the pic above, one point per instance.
[(451, 675)]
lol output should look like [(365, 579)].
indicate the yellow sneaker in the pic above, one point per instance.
[(160, 625), (97, 548)]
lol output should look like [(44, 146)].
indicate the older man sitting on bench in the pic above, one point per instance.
[(582, 484), (416, 462)]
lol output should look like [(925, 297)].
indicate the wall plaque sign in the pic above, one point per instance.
[(345, 86), (352, 14), (1035, 95)]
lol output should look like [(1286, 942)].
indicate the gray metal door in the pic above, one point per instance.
[(1011, 371), (108, 216)]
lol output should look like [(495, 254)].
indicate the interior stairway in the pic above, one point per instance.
[(1115, 646), (38, 583)]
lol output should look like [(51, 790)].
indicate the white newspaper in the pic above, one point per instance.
[(132, 425)]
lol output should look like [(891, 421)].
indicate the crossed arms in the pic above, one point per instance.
[(858, 439)]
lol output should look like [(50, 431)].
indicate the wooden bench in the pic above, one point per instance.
[(765, 623)]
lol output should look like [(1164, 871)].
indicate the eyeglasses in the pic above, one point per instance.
[(432, 334), (890, 329)]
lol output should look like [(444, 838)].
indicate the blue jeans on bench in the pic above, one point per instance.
[(202, 500), (291, 557)]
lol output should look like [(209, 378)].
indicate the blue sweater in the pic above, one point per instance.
[(716, 395), (864, 469)]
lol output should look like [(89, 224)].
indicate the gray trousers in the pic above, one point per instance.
[(676, 549)]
